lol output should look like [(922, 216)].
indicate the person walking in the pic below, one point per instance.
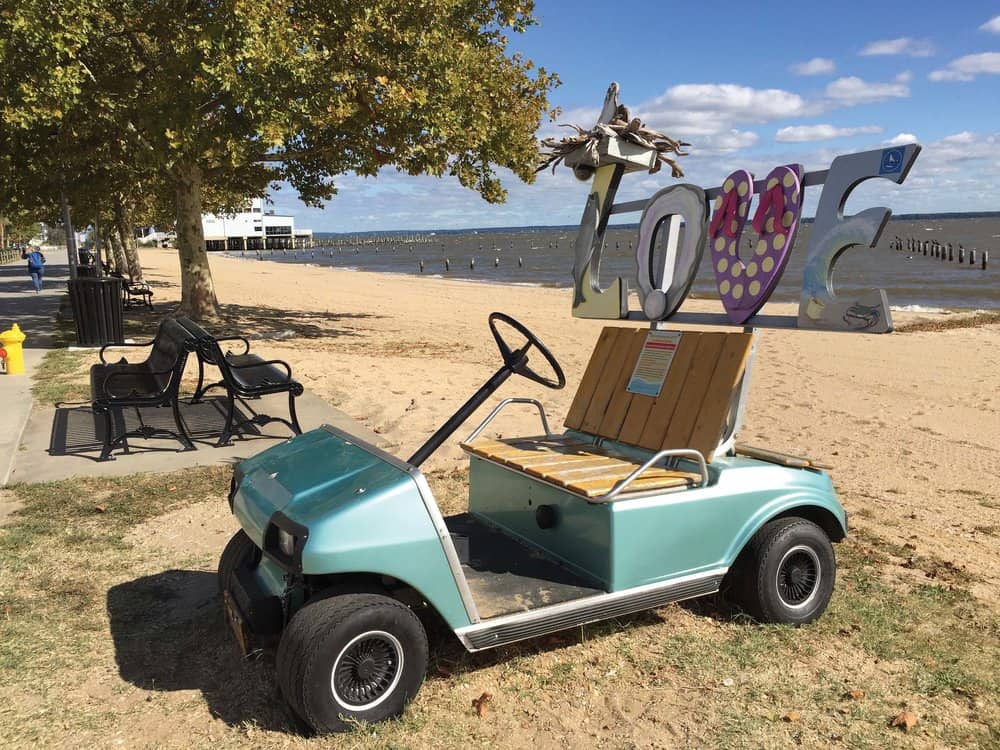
[(36, 266)]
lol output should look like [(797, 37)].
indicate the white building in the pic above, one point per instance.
[(253, 229)]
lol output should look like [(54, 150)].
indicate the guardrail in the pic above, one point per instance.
[(9, 255)]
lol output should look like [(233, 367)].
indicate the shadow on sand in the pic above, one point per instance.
[(263, 322), (169, 635)]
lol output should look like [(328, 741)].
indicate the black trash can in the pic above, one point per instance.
[(97, 310), (86, 272)]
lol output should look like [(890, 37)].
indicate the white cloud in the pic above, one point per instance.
[(724, 143), (804, 133), (968, 67), (993, 25), (707, 109), (815, 67), (901, 139), (905, 77), (852, 90), (902, 46)]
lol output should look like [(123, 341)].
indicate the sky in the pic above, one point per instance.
[(749, 86)]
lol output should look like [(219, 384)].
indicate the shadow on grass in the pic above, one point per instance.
[(448, 657), (170, 635)]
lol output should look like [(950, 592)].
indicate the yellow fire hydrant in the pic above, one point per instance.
[(10, 341)]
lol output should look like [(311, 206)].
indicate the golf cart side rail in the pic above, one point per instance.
[(673, 452), (500, 407)]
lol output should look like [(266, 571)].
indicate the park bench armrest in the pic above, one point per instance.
[(243, 339), (104, 348), (271, 362)]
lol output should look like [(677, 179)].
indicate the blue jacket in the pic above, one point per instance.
[(35, 261)]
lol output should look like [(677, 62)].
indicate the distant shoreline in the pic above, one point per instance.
[(961, 215)]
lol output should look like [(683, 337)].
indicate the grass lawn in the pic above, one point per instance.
[(111, 636)]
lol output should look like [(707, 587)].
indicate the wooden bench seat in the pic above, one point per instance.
[(693, 410), (575, 465)]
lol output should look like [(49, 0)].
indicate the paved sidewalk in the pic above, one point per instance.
[(42, 443), (36, 315)]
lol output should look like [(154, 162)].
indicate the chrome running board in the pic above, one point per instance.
[(500, 631)]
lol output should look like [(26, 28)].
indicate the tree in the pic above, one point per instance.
[(232, 95)]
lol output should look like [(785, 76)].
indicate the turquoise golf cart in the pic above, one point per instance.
[(645, 498)]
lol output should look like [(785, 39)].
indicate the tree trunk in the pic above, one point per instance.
[(124, 227), (3, 238), (198, 300), (120, 264)]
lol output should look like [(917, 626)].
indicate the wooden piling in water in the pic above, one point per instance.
[(986, 258)]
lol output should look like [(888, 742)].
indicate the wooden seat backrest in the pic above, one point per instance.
[(694, 402)]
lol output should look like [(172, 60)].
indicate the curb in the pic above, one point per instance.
[(17, 444)]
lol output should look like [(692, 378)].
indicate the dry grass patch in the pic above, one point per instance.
[(62, 377), (110, 634), (963, 320)]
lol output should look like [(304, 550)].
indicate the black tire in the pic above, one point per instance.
[(359, 657), (786, 573), (239, 552)]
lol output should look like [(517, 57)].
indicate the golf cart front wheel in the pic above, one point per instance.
[(353, 657), (788, 572)]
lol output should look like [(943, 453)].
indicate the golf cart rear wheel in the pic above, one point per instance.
[(787, 572), (240, 552), (359, 657)]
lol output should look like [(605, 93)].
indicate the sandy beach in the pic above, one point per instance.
[(910, 421), (112, 634)]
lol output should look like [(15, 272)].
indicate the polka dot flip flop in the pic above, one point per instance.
[(745, 285)]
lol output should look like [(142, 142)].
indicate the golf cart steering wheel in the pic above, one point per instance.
[(516, 360)]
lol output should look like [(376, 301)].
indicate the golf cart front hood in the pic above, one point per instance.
[(311, 477)]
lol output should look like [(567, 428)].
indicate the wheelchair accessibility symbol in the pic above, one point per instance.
[(892, 160)]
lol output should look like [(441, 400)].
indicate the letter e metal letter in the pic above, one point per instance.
[(833, 234)]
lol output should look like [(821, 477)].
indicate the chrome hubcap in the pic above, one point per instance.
[(367, 670), (798, 578)]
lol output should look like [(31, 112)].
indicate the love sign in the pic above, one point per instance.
[(746, 278)]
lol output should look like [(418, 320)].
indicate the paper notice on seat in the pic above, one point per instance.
[(654, 362)]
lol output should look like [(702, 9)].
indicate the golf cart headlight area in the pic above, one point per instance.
[(284, 540), (286, 543)]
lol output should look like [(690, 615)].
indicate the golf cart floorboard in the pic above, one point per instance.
[(507, 576)]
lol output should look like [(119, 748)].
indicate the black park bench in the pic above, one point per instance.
[(134, 293), (244, 376), (154, 382)]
